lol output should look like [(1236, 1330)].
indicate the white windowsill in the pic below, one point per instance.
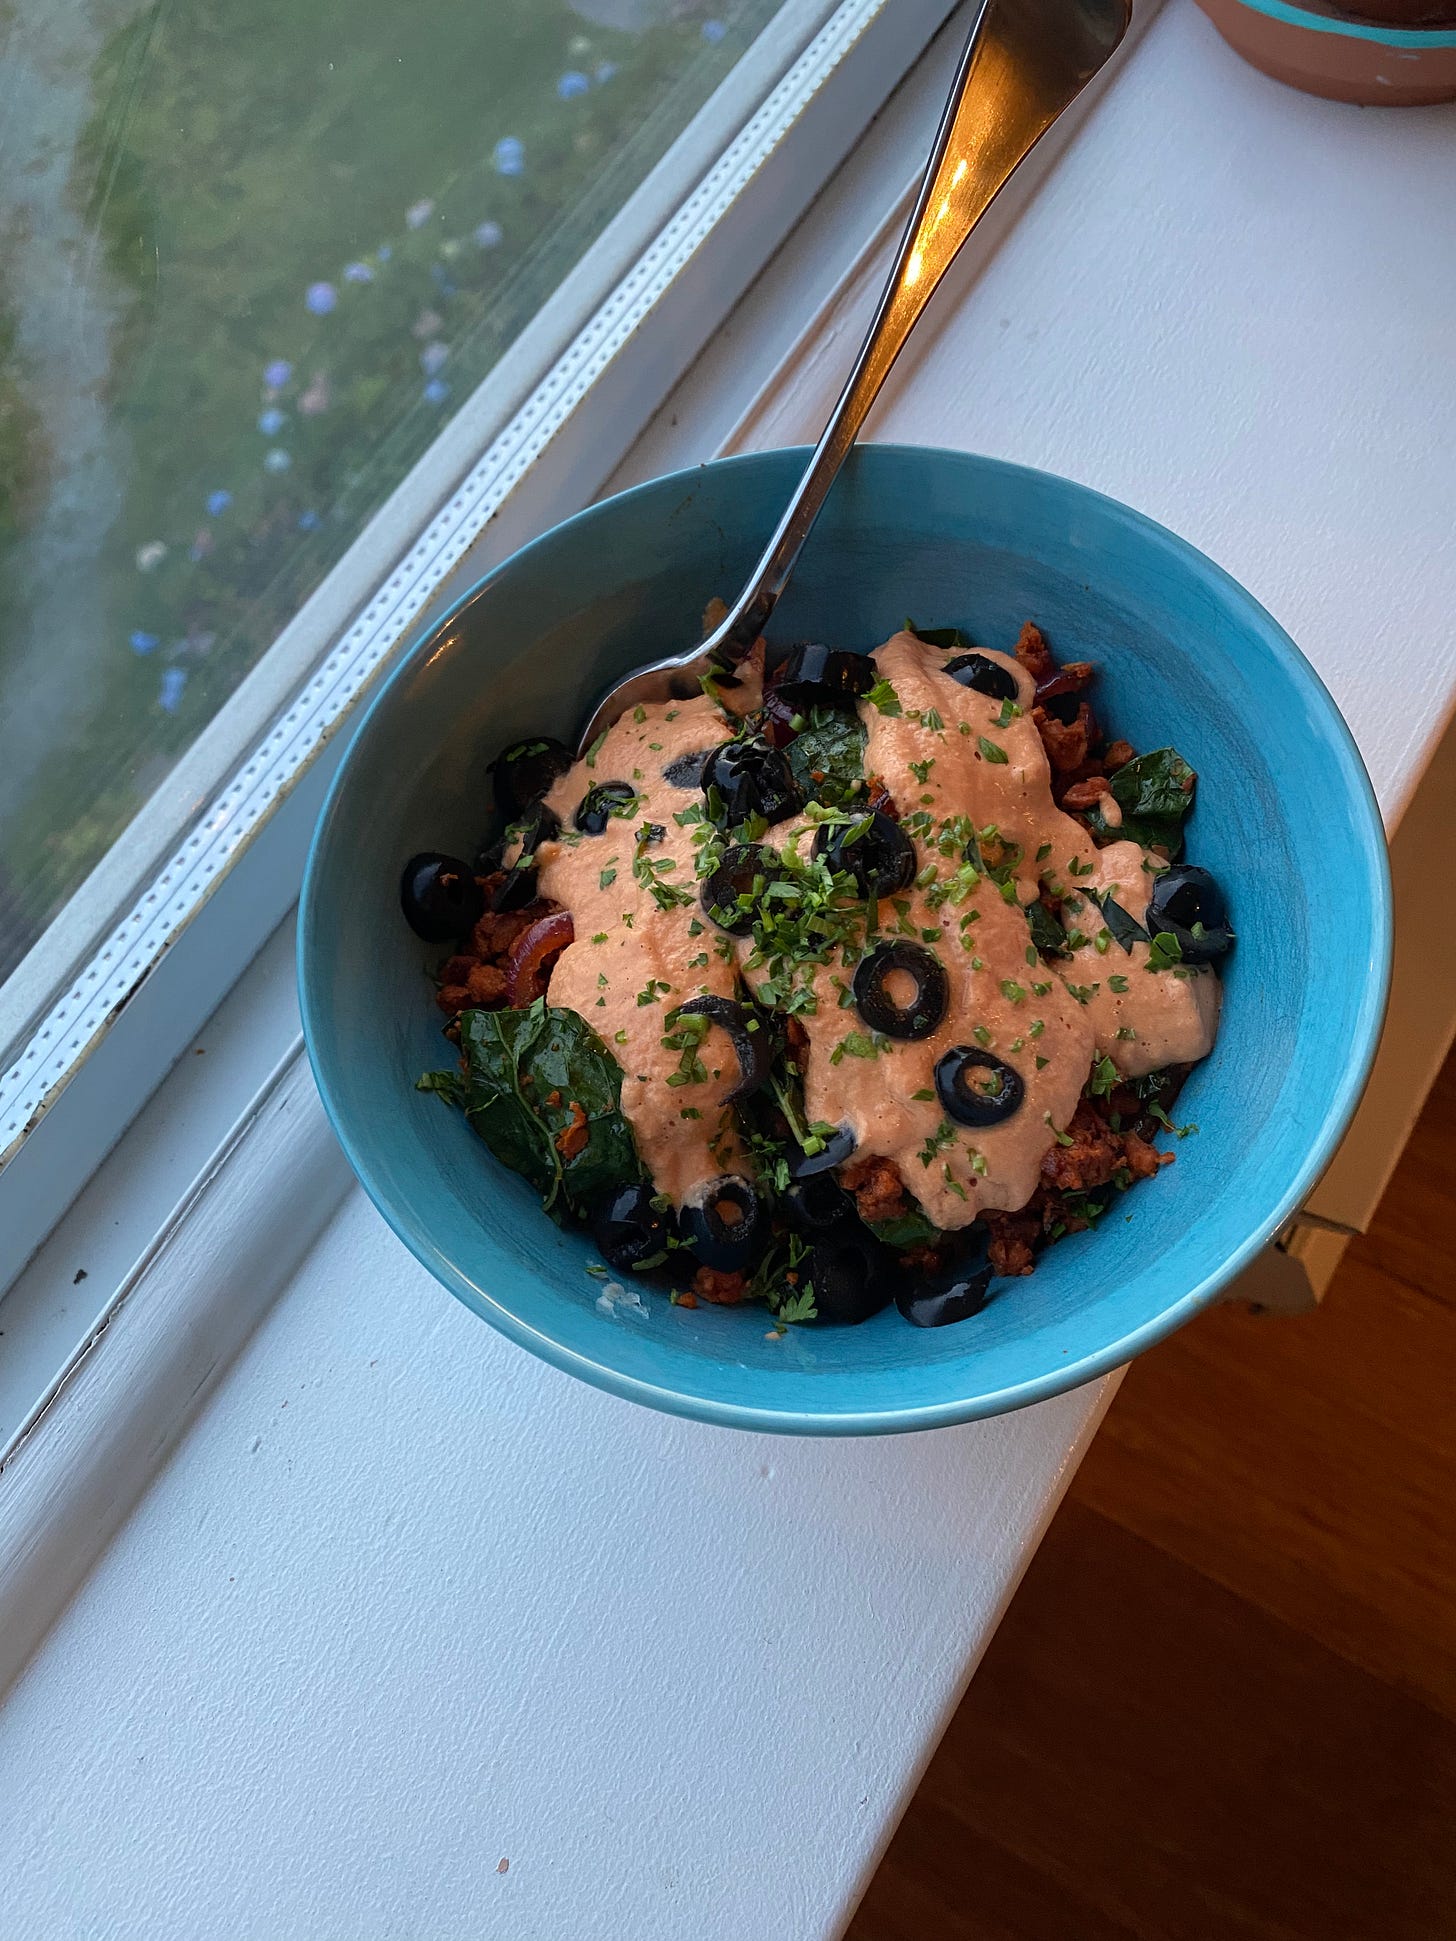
[(408, 1602)]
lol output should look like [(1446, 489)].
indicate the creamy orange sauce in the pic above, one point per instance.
[(632, 962), (1174, 1018), (941, 758)]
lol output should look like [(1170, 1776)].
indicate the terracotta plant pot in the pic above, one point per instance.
[(1392, 53)]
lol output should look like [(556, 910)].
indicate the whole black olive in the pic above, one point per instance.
[(539, 824), (976, 1088), (754, 779), (985, 675), (954, 1293), (750, 1038), (824, 677), (727, 1228), (516, 890), (631, 1231), (937, 1307), (731, 895), (686, 771), (851, 1274), (525, 771), (873, 849), (817, 1205), (879, 1009), (602, 801), (838, 1147), (440, 897), (1188, 902)]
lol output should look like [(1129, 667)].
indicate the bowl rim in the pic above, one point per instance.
[(914, 1417), (1416, 38)]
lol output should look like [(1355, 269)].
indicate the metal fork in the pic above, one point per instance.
[(1024, 63)]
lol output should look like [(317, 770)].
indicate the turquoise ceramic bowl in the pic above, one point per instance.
[(1285, 817)]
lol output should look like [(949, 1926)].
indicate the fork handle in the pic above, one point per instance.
[(1024, 62)]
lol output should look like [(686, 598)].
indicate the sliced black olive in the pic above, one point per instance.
[(985, 675), (539, 824), (976, 1088), (652, 832), (525, 771), (817, 1205), (727, 1228), (838, 1147), (873, 849), (440, 897), (824, 677), (686, 771), (751, 1043), (955, 1293), (1188, 902), (631, 1230), (1061, 707), (602, 801), (517, 890), (1125, 929), (754, 779), (872, 991), (851, 1275), (731, 895), (491, 858)]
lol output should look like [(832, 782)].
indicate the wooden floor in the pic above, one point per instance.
[(1223, 1703)]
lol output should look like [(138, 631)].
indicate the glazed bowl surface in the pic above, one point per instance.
[(1375, 53), (1285, 818)]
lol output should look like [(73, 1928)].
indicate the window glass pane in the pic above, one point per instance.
[(254, 256)]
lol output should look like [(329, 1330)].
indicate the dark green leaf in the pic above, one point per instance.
[(1159, 784), (947, 637), (1089, 1206), (1103, 1078), (797, 1307), (450, 1086), (912, 1229), (1046, 933), (1165, 953), (517, 1063), (828, 757), (858, 1044), (1155, 793), (496, 1046), (1126, 930)]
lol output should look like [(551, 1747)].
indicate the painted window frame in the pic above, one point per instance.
[(188, 895)]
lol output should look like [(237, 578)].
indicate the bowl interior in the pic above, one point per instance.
[(1285, 818)]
